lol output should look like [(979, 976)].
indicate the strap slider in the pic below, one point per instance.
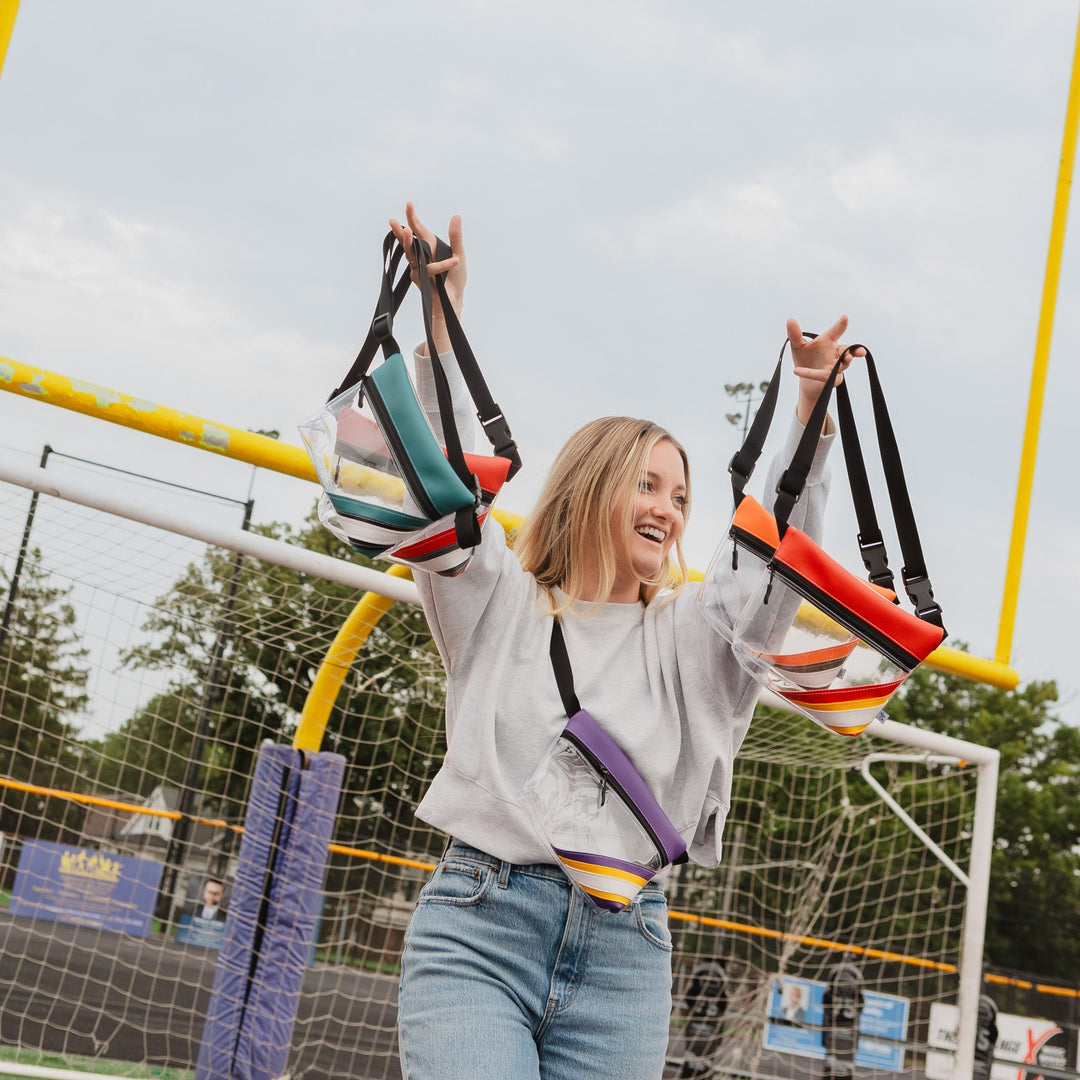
[(498, 433), (382, 327), (789, 485)]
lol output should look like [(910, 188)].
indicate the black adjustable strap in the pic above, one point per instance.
[(871, 543), (789, 489), (914, 574), (564, 674), (488, 412), (391, 295), (746, 457)]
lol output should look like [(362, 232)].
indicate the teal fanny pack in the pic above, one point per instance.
[(391, 489)]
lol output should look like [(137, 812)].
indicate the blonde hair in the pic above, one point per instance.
[(599, 468)]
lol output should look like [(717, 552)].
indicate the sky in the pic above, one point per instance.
[(193, 197)]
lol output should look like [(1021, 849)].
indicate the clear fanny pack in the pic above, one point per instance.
[(391, 490), (836, 647), (591, 807)]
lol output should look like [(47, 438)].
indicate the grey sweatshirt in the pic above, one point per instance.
[(661, 682)]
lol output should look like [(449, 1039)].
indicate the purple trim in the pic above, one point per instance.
[(608, 905), (646, 872), (592, 736)]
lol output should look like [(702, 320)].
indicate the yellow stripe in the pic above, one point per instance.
[(839, 706), (848, 730), (616, 898), (605, 871)]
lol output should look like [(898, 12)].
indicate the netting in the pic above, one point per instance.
[(139, 674)]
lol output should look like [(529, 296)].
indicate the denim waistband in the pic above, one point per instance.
[(457, 850)]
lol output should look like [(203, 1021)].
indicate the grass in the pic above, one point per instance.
[(90, 1066)]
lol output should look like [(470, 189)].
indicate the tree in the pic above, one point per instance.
[(43, 676), (1033, 919)]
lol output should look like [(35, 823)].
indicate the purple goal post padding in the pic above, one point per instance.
[(272, 916)]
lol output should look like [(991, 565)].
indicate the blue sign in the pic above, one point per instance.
[(195, 930), (85, 887), (797, 1016)]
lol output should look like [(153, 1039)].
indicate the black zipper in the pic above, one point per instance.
[(859, 627), (752, 543), (608, 780), (400, 456)]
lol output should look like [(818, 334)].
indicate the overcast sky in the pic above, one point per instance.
[(193, 195)]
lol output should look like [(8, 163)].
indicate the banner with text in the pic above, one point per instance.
[(85, 887)]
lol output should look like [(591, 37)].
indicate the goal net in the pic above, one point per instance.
[(140, 671)]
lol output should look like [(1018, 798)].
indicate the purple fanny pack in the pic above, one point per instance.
[(591, 807), (616, 768)]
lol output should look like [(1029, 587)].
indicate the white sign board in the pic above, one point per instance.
[(1020, 1038)]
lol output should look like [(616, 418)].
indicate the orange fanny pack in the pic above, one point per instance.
[(834, 646)]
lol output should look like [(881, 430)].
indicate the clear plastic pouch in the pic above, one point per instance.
[(592, 809), (390, 487), (832, 645), (836, 647)]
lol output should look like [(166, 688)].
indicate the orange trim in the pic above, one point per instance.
[(754, 519), (813, 656), (490, 471)]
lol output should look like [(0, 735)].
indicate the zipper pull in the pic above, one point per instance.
[(734, 554), (603, 790), (768, 588)]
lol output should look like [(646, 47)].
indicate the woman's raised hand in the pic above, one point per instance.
[(814, 359), (454, 267)]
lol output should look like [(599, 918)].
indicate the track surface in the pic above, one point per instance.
[(74, 990)]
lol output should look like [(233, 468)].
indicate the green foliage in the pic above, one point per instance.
[(243, 642), (42, 689)]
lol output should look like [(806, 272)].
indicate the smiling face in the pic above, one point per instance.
[(657, 517), (612, 509)]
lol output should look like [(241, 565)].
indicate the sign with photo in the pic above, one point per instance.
[(1020, 1039), (85, 887), (797, 1020)]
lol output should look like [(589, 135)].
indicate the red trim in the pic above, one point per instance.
[(445, 540), (802, 555), (835, 695)]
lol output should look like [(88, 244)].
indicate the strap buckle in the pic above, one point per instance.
[(876, 560), (921, 594)]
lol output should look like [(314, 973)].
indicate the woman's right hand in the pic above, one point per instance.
[(454, 267)]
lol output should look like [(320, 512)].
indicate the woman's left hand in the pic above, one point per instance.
[(814, 359)]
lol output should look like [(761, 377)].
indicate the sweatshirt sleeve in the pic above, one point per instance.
[(464, 413), (454, 606)]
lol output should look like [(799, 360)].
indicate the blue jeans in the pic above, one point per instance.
[(509, 972)]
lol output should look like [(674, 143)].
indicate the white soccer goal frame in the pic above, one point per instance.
[(929, 744)]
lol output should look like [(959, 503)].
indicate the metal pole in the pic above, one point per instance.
[(9, 607), (1038, 372)]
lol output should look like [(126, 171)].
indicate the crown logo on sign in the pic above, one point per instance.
[(94, 865)]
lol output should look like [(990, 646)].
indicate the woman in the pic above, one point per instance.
[(508, 971)]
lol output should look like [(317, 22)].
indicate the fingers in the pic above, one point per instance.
[(836, 331), (794, 333)]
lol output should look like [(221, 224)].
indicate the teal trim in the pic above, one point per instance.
[(380, 515), (413, 434)]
